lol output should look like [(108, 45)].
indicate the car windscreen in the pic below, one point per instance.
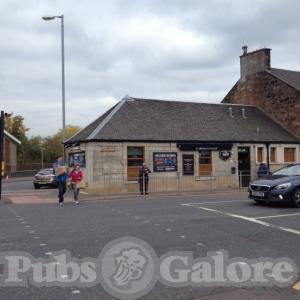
[(293, 170), (45, 172)]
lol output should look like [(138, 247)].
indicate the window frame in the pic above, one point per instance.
[(258, 160), (207, 166), (274, 153), (294, 155), (133, 171)]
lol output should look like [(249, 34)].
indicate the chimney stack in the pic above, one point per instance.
[(254, 62), (245, 49)]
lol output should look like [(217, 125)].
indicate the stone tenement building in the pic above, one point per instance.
[(275, 91)]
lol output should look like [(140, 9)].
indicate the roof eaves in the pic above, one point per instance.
[(12, 137)]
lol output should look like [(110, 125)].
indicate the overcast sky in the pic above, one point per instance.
[(166, 49)]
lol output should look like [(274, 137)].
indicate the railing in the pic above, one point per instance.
[(20, 170), (169, 182)]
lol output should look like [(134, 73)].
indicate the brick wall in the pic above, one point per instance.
[(272, 95)]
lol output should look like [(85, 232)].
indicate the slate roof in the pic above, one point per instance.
[(290, 77), (134, 119)]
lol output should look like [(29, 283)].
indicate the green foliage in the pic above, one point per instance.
[(15, 126), (30, 149), (53, 144)]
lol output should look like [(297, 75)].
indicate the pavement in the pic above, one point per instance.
[(196, 223)]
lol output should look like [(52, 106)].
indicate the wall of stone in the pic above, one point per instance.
[(275, 97), (106, 167)]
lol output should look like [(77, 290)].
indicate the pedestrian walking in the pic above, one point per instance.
[(60, 171), (144, 179), (75, 178)]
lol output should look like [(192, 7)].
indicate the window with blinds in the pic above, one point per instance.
[(289, 154)]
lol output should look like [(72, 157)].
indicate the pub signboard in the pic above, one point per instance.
[(164, 161), (204, 146), (188, 164)]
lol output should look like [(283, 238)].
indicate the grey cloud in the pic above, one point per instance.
[(173, 49)]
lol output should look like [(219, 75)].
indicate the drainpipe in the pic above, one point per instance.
[(268, 157)]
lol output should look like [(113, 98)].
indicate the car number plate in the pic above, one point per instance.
[(258, 194), (41, 182)]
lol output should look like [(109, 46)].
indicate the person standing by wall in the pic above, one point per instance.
[(60, 171), (76, 176), (144, 179)]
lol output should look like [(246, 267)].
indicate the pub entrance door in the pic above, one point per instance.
[(244, 166)]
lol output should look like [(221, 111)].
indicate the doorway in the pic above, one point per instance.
[(244, 166)]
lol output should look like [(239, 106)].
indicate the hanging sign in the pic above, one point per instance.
[(224, 154)]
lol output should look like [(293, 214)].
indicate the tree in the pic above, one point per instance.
[(29, 152), (53, 144), (15, 126)]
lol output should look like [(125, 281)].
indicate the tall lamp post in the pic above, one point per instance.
[(49, 18)]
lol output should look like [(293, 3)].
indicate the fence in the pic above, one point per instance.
[(20, 170), (175, 182)]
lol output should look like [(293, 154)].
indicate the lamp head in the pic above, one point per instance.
[(48, 18)]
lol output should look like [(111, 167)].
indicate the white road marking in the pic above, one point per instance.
[(76, 292), (278, 216), (249, 219), (84, 193), (64, 276), (43, 245), (27, 226), (31, 231), (200, 244), (36, 237), (210, 202), (48, 253), (169, 229), (182, 236)]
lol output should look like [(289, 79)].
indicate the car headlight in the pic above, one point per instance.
[(283, 186)]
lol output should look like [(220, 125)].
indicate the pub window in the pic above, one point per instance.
[(259, 156), (135, 159), (273, 154), (289, 155), (205, 165)]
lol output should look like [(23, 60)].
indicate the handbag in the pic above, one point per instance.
[(81, 184)]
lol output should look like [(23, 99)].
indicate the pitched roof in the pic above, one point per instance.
[(290, 77), (12, 137), (157, 120)]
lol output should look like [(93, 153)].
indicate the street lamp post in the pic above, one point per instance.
[(49, 18)]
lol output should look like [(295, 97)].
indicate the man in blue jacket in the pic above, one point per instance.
[(59, 169)]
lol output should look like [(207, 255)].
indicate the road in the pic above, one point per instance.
[(13, 184), (199, 223)]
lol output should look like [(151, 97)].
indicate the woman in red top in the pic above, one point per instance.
[(75, 177)]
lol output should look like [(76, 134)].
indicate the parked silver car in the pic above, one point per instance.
[(44, 177)]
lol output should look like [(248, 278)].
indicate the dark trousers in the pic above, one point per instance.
[(144, 186), (61, 191)]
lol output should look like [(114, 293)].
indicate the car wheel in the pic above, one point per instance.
[(36, 186), (296, 197)]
